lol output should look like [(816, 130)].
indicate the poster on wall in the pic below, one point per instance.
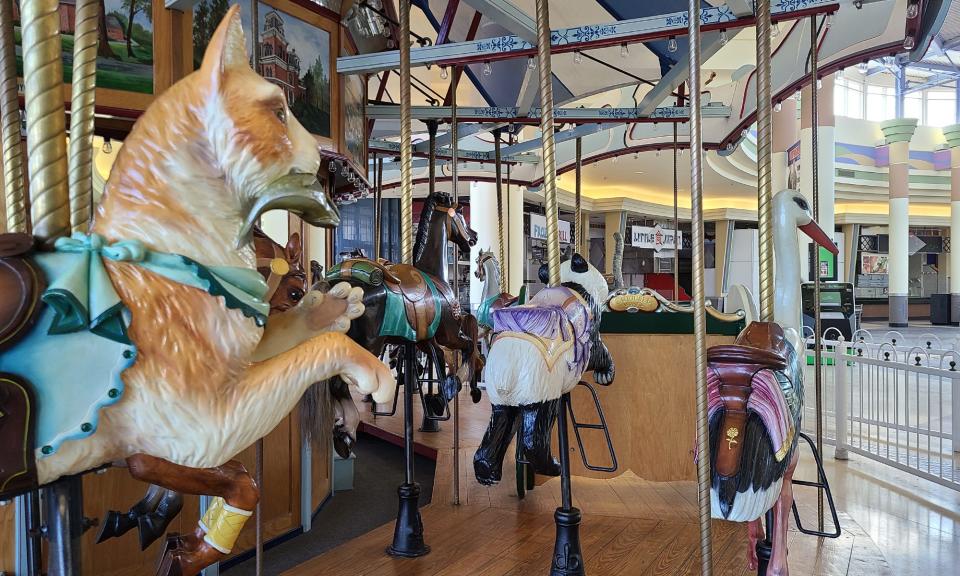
[(538, 228), (873, 263), (124, 49), (793, 167), (291, 53)]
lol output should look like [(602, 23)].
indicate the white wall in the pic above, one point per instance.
[(744, 259)]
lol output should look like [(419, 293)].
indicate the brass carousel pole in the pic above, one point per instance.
[(46, 127), (81, 114), (764, 165), (505, 269), (16, 217), (455, 185), (817, 328), (699, 302), (377, 208), (578, 210), (504, 286), (676, 222), (408, 531)]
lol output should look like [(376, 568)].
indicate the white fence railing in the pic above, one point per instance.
[(892, 402)]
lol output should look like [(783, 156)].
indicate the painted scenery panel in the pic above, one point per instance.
[(293, 54), (125, 49), (354, 122)]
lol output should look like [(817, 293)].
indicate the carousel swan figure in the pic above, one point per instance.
[(755, 390), (157, 318), (539, 352)]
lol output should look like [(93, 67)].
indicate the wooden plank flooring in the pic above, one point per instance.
[(631, 527)]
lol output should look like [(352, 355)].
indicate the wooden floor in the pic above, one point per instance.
[(630, 526)]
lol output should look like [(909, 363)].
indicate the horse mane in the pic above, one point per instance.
[(426, 217)]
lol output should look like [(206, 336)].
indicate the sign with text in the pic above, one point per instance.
[(538, 228), (655, 238)]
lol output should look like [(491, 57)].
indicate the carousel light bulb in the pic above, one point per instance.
[(616, 159), (658, 152), (774, 30), (913, 10), (107, 146), (487, 69), (345, 172), (909, 43), (624, 50), (332, 166), (819, 83), (636, 155), (863, 67), (577, 57), (672, 44), (531, 63), (829, 22), (443, 72), (777, 107), (723, 38)]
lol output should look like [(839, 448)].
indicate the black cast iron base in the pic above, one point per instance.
[(567, 557), (408, 531)]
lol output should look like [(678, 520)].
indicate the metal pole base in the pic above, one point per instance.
[(764, 551), (63, 507), (408, 532), (429, 425), (567, 557)]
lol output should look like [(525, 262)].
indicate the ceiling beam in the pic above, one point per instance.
[(679, 73), (504, 13), (740, 7), (446, 153), (464, 130), (578, 38), (933, 82), (511, 114)]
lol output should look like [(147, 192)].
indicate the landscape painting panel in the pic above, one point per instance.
[(355, 125), (124, 49), (292, 54)]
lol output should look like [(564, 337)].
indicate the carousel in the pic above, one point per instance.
[(187, 366)]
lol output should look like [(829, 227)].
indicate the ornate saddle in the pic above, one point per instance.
[(761, 346), (421, 295), (21, 284)]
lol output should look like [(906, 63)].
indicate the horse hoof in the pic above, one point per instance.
[(154, 524), (116, 524), (186, 555), (475, 395)]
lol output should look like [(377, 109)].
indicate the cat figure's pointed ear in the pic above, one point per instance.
[(544, 274), (227, 48), (578, 264)]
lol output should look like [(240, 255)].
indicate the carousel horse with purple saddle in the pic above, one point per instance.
[(407, 303)]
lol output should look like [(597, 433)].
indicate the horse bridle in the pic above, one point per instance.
[(451, 212)]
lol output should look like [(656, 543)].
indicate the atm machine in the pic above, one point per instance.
[(836, 308)]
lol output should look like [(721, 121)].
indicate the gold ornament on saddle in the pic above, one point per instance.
[(732, 434)]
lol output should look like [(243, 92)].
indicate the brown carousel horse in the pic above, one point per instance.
[(414, 303), (282, 268)]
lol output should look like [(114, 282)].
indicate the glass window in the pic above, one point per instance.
[(881, 103), (840, 97), (941, 108), (855, 100), (913, 106)]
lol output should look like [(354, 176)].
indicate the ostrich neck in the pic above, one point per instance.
[(786, 249)]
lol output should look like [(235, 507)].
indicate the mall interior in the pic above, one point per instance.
[(479, 287)]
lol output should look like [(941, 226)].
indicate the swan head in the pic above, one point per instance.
[(790, 208)]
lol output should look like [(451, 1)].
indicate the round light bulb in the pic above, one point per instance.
[(531, 63), (624, 51), (913, 10), (443, 72), (723, 37), (777, 107), (577, 57), (774, 30), (487, 69), (672, 44)]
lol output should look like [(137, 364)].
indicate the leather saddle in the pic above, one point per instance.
[(21, 284), (420, 305), (761, 346)]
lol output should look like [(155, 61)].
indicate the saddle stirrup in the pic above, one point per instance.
[(821, 483)]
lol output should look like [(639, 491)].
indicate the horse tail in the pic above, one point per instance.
[(316, 414)]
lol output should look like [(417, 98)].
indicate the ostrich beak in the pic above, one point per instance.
[(816, 233)]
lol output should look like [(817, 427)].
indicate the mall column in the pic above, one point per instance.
[(898, 133), (484, 220), (826, 152), (952, 134)]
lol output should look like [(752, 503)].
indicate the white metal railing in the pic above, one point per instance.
[(895, 403)]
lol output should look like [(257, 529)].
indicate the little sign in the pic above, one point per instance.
[(538, 228), (655, 238)]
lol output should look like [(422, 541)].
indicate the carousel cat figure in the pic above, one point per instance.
[(165, 358), (539, 352)]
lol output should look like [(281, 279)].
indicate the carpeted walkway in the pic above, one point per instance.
[(378, 471)]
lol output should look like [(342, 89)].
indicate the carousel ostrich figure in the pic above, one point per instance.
[(755, 389), (539, 352)]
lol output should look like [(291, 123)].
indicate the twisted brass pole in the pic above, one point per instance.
[(16, 217), (455, 182), (676, 221), (406, 150), (377, 204), (81, 114), (546, 136), (699, 302), (578, 209), (764, 166), (46, 127), (815, 181), (504, 287), (504, 268)]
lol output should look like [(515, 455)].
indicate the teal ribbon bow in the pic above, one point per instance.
[(83, 295)]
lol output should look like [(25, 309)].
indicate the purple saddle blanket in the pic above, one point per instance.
[(552, 313)]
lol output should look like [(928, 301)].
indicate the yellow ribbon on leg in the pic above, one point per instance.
[(222, 524)]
